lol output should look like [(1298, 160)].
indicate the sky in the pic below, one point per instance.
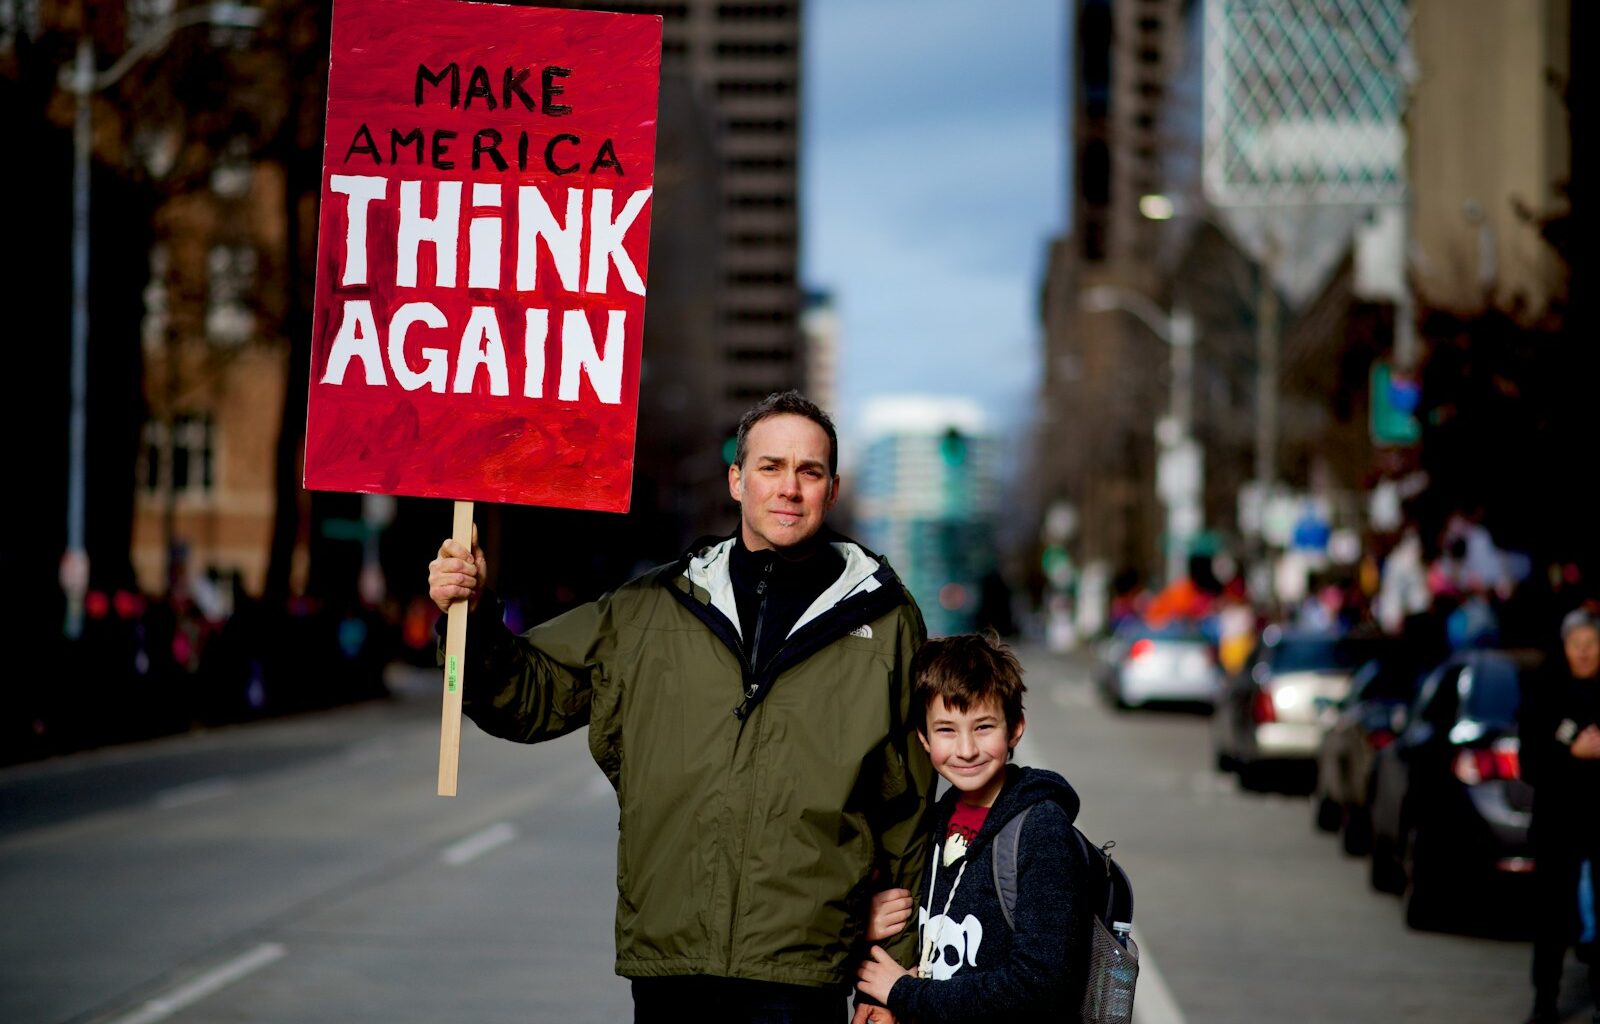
[(932, 179)]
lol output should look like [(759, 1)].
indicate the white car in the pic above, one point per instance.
[(1171, 664)]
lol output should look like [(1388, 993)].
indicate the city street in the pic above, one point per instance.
[(302, 871)]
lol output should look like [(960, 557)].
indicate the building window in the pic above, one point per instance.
[(759, 126), (761, 355), (760, 201), (743, 50), (759, 163), (153, 329), (776, 317), (762, 239), (230, 281), (761, 277), (755, 87), (755, 12), (668, 11), (177, 457), (233, 172)]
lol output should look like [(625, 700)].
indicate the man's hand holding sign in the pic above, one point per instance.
[(481, 267)]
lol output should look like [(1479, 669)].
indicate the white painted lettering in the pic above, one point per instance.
[(437, 359), (605, 241), (357, 339), (578, 353), (481, 346), (535, 221), (362, 190), (443, 229)]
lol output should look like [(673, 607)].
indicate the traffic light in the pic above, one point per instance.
[(953, 448)]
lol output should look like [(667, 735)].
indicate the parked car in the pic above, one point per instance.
[(1271, 715), (1172, 663), (1369, 718), (1450, 811)]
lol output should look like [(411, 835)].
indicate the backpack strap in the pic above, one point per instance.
[(1004, 860)]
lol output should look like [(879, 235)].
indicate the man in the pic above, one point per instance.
[(751, 704), (1561, 759)]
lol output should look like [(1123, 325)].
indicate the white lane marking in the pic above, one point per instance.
[(479, 843), (1152, 999), (195, 792), (187, 995)]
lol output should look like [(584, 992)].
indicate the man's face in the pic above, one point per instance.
[(969, 748), (784, 488), (1583, 651)]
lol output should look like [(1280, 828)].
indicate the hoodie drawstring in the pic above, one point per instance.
[(930, 946)]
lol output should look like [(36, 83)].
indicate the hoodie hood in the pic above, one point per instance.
[(1023, 788)]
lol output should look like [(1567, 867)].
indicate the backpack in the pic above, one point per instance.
[(1113, 967)]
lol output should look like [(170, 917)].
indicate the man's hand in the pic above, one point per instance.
[(1587, 744), (877, 976), (866, 1013), (457, 574), (891, 909)]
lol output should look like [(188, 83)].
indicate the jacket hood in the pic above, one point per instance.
[(705, 566), (1023, 788)]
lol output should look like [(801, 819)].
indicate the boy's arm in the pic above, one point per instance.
[(907, 790), (1048, 945), (536, 686)]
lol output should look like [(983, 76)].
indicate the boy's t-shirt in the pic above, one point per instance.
[(966, 821)]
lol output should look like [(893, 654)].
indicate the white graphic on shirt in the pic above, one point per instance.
[(948, 946), (955, 847)]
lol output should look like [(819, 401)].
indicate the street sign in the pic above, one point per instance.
[(1393, 401)]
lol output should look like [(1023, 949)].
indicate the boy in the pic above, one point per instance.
[(967, 699)]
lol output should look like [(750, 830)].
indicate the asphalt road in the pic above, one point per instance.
[(302, 871)]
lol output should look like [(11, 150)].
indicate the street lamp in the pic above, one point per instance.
[(83, 81), (1180, 470)]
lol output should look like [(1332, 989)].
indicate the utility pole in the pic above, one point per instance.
[(1180, 468), (83, 81), (1267, 372)]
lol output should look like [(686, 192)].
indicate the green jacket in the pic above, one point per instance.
[(754, 811)]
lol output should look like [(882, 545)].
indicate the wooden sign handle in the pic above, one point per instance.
[(455, 652)]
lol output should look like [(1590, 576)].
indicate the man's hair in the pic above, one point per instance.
[(790, 403), (966, 670)]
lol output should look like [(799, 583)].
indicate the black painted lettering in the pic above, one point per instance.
[(479, 87), (607, 157), (550, 154), (513, 87), (441, 147), (522, 151), (549, 91), (426, 77), (492, 149), (363, 143), (411, 138)]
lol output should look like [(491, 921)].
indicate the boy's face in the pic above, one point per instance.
[(969, 748)]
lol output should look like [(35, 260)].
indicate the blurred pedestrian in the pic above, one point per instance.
[(1561, 759), (751, 825)]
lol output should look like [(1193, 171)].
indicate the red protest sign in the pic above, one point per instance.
[(481, 262)]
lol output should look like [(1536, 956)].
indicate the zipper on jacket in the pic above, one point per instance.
[(754, 684)]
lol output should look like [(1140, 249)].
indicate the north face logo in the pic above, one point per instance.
[(864, 632)]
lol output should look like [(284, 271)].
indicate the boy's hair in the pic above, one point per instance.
[(966, 670)]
